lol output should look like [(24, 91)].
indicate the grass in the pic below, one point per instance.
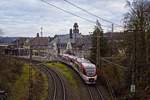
[(20, 88), (40, 85), (65, 71), (45, 88), (14, 79)]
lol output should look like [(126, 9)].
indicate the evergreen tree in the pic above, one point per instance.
[(103, 44)]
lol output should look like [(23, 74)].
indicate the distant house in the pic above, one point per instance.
[(115, 36), (13, 45), (115, 40), (87, 45), (2, 48), (39, 45)]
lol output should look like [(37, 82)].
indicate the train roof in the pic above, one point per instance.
[(70, 56), (83, 61)]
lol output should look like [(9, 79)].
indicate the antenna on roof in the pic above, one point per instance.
[(41, 31)]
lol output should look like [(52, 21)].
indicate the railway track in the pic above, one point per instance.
[(57, 90), (56, 86), (95, 93)]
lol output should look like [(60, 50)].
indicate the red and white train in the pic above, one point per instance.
[(84, 67)]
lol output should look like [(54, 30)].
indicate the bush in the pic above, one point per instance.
[(10, 70)]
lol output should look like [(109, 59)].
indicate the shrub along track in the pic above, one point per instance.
[(56, 90)]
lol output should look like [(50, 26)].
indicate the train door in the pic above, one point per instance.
[(80, 68)]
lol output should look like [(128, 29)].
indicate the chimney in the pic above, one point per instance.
[(37, 35), (71, 34)]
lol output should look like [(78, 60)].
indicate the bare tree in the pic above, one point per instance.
[(137, 41), (137, 21)]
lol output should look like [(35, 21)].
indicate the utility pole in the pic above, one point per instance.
[(112, 29), (133, 67), (98, 51), (112, 39), (147, 43), (18, 50), (30, 75), (75, 43), (98, 56), (49, 54), (147, 50), (58, 47)]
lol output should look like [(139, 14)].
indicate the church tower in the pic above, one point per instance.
[(75, 28)]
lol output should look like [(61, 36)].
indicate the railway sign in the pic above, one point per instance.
[(132, 88)]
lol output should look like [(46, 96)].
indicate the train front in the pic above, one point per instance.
[(90, 75)]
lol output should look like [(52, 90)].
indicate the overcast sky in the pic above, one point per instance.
[(25, 17)]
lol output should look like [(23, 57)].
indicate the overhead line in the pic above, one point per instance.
[(92, 13), (71, 13), (68, 11)]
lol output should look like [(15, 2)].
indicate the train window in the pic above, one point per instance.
[(90, 71)]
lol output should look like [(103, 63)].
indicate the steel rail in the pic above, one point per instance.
[(62, 83), (51, 72), (90, 93), (53, 80), (100, 93), (55, 90)]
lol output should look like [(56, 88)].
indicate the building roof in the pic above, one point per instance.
[(39, 41), (20, 41), (8, 40), (61, 39), (87, 39)]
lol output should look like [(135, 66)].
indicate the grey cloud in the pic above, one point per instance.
[(27, 16)]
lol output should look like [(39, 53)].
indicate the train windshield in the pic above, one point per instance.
[(90, 71), (82, 60)]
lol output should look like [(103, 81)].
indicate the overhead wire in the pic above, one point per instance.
[(72, 13), (80, 16), (91, 13)]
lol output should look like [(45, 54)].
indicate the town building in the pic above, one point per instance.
[(13, 45), (116, 41), (74, 43), (39, 46)]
